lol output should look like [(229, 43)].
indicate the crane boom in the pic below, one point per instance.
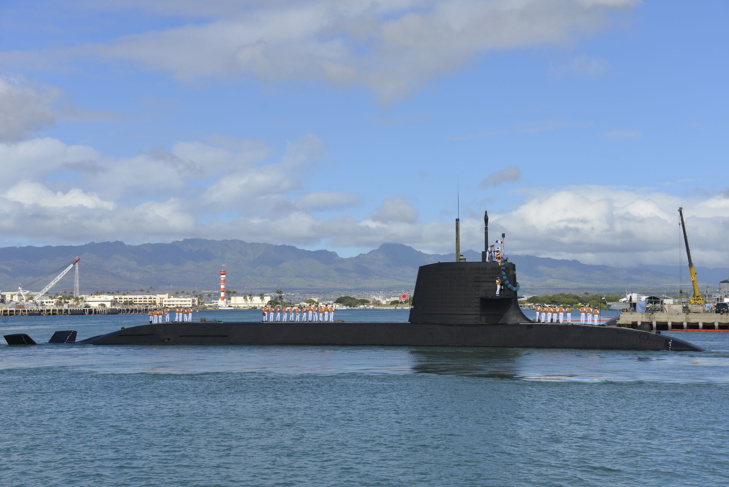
[(697, 298), (54, 281)]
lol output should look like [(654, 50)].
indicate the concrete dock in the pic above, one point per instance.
[(676, 321)]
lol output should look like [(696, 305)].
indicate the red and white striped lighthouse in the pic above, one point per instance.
[(223, 302)]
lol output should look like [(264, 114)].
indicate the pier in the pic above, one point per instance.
[(676, 321), (74, 311)]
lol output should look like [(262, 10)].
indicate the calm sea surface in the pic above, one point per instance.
[(81, 415)]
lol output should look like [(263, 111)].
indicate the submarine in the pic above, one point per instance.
[(455, 304)]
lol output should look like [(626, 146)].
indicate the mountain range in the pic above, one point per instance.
[(253, 268)]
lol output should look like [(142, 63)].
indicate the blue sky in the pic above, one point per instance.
[(580, 125)]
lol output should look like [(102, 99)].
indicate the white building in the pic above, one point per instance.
[(100, 300), (179, 302), (252, 301), (113, 300)]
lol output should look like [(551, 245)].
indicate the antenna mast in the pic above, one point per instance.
[(459, 258), (485, 236)]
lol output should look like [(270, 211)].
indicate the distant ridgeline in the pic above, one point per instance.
[(193, 265)]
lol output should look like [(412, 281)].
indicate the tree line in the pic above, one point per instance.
[(567, 299)]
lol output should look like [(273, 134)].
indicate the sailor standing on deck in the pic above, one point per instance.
[(498, 285), (331, 313), (582, 314), (568, 315), (588, 315), (561, 313), (544, 314), (596, 316), (549, 313)]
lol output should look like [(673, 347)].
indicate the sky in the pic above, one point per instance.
[(581, 126)]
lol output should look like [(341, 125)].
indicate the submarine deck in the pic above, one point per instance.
[(513, 335)]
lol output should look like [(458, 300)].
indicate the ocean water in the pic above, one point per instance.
[(368, 416)]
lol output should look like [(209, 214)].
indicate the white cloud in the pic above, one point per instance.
[(40, 157), (508, 175), (395, 210), (614, 226), (392, 48), (35, 194), (260, 200), (24, 109)]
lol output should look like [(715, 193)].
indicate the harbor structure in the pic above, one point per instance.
[(222, 303)]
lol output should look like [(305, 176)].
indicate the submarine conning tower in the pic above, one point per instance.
[(464, 293)]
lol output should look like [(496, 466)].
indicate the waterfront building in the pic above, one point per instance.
[(249, 301)]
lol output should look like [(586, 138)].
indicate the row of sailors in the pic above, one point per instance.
[(560, 314), (296, 313), (163, 315)]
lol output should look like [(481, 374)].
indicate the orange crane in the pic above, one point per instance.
[(697, 298)]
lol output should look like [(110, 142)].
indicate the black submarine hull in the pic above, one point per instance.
[(521, 335)]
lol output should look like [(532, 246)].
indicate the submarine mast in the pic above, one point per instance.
[(459, 257), (485, 236)]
